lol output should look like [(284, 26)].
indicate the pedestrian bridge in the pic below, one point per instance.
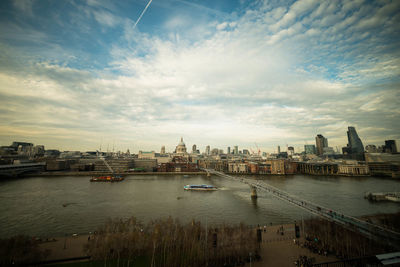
[(13, 170), (370, 230)]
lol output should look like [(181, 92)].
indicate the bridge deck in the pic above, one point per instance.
[(368, 229), (17, 169)]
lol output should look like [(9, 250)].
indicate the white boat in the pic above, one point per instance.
[(202, 187)]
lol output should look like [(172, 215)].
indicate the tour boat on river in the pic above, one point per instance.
[(202, 187), (113, 178)]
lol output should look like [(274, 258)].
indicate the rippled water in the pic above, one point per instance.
[(51, 206)]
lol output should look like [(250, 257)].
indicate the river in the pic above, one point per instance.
[(54, 206)]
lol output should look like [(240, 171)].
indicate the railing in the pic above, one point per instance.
[(371, 230)]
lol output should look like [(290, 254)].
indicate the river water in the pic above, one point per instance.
[(54, 206)]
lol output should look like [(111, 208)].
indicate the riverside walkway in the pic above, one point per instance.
[(370, 230)]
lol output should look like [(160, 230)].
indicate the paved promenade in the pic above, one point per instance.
[(281, 250), (65, 247)]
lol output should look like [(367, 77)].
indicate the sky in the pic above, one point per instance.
[(85, 75)]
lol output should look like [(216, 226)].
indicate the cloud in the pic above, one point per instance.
[(106, 18), (274, 74), (298, 9), (26, 6)]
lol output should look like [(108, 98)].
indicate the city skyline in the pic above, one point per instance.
[(139, 75), (206, 149)]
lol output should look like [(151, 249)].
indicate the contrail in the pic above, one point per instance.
[(141, 15)]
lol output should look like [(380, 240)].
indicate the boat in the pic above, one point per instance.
[(202, 187), (107, 179), (395, 197), (390, 196)]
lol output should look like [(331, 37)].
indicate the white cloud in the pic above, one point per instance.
[(298, 9), (32, 86), (222, 26), (106, 18), (285, 73)]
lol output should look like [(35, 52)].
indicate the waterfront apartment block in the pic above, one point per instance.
[(318, 168), (117, 165), (383, 164), (178, 164), (147, 165), (238, 167), (353, 168)]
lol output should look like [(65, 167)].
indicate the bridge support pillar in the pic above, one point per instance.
[(253, 192)]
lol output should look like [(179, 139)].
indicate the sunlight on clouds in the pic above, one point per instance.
[(32, 87), (273, 73)]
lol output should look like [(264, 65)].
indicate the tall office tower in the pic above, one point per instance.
[(208, 150), (279, 149), (162, 150), (354, 148), (236, 150), (390, 146), (355, 144), (320, 142), (194, 149), (229, 150), (309, 149)]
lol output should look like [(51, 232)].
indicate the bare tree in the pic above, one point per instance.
[(167, 242)]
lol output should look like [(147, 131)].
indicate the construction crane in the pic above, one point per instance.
[(258, 150), (108, 166)]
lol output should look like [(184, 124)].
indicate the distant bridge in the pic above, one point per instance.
[(14, 170), (370, 230)]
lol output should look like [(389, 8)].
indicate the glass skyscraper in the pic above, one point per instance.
[(309, 149), (355, 144)]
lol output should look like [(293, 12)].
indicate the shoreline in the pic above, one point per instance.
[(305, 174), (96, 173)]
